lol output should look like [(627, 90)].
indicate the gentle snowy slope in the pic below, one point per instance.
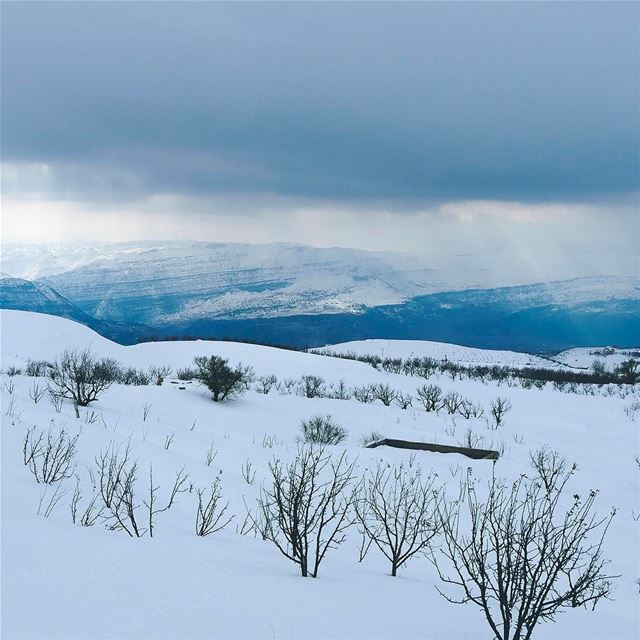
[(439, 350), (61, 580)]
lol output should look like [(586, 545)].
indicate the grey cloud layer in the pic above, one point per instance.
[(364, 101)]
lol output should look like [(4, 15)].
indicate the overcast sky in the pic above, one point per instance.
[(430, 127)]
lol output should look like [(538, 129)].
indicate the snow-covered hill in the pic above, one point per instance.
[(440, 351), (63, 580)]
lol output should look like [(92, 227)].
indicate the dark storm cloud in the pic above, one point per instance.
[(379, 101)]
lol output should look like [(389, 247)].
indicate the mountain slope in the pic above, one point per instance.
[(23, 295), (182, 282)]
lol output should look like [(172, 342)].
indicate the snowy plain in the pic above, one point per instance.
[(60, 580)]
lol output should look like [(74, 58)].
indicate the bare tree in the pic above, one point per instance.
[(526, 553), (396, 512), (307, 509), (223, 381), (210, 516), (50, 457), (499, 408), (431, 397), (81, 376)]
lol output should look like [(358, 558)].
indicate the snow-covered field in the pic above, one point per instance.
[(66, 581)]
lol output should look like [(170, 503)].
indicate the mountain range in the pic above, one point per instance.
[(303, 296)]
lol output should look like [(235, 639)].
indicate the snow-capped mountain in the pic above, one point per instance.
[(303, 296), (190, 281)]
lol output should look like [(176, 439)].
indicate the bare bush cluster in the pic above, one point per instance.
[(49, 456), (322, 430)]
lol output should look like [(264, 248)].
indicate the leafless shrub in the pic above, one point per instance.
[(450, 429), (152, 510), (549, 466), (37, 368), (322, 430), (518, 438), (404, 401), (364, 393), (91, 513), (50, 499), (471, 439), (269, 441), (525, 555), (384, 393), (10, 386), (248, 472), (13, 371), (430, 395), (372, 436), (210, 455), (307, 509), (468, 409), (632, 409), (341, 391), (50, 457), (145, 411), (312, 386), (286, 387), (168, 440), (266, 383), (117, 480), (452, 402), (396, 511), (81, 376), (159, 373), (36, 392), (10, 411), (91, 417), (499, 407), (186, 374), (210, 516), (56, 401)]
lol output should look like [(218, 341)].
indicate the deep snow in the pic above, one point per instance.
[(61, 580)]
